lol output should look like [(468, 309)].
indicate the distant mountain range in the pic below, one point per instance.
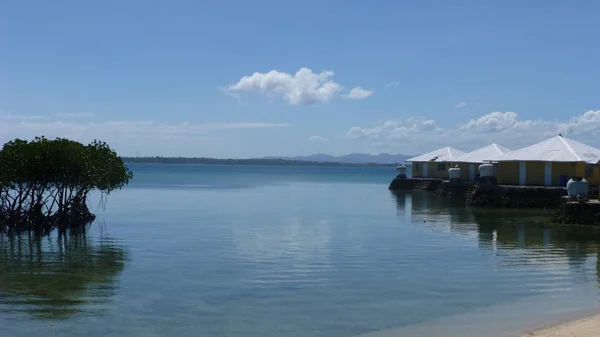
[(256, 161), (352, 158), (320, 159)]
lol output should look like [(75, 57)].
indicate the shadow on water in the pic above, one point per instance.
[(59, 276), (524, 231)]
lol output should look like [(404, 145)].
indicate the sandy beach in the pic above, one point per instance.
[(587, 327)]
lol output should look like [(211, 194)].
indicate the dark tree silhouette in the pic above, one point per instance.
[(44, 184)]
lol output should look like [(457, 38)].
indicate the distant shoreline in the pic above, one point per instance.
[(259, 161)]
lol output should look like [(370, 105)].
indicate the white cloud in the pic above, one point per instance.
[(392, 130), (148, 127), (154, 138), (302, 88), (74, 114), (492, 122), (461, 105), (417, 134), (317, 139), (11, 117), (359, 93), (505, 121), (392, 84), (587, 124), (235, 95)]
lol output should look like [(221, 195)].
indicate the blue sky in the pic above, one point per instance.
[(167, 77)]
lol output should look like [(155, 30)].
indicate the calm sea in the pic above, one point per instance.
[(192, 250)]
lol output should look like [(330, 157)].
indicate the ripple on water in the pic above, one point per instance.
[(302, 259)]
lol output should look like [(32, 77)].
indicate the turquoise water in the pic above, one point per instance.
[(190, 250)]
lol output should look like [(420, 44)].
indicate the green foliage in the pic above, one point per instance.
[(44, 183)]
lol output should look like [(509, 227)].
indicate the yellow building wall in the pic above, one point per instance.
[(535, 173), (579, 169), (592, 176), (417, 170), (465, 169), (565, 169), (435, 173), (595, 180), (508, 173)]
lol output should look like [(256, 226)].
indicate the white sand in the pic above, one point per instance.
[(587, 327)]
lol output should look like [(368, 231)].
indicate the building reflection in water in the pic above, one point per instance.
[(523, 232), (56, 277)]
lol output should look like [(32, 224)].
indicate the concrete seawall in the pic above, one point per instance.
[(515, 196), (415, 184), (491, 195), (486, 194), (581, 213)]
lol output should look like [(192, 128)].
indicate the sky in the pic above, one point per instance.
[(268, 78)]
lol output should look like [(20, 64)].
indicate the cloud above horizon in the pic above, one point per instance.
[(411, 135), (359, 93), (505, 128), (392, 130), (11, 117), (317, 139), (302, 88), (74, 114), (127, 136)]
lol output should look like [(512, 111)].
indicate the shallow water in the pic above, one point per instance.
[(198, 250)]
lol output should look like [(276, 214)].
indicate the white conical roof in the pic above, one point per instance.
[(482, 154), (555, 149), (444, 154)]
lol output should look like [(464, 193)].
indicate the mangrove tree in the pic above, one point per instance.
[(44, 184)]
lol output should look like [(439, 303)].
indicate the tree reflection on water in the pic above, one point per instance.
[(58, 276)]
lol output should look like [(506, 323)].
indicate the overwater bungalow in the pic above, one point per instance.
[(549, 163), (469, 162), (434, 164)]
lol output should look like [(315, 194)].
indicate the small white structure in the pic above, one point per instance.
[(454, 173), (401, 171), (487, 170), (577, 187), (472, 159)]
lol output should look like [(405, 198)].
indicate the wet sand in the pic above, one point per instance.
[(587, 327), (578, 315)]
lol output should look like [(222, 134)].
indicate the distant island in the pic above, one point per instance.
[(352, 158), (326, 160)]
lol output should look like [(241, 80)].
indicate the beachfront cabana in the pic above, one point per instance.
[(434, 164), (552, 163), (469, 162)]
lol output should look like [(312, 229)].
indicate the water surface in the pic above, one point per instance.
[(202, 250)]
